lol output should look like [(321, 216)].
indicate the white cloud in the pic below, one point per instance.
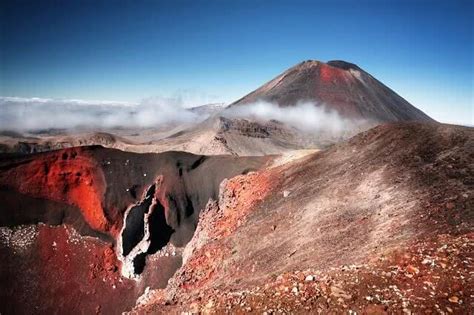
[(38, 113), (23, 114), (306, 116)]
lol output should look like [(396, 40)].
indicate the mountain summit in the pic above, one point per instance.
[(339, 85)]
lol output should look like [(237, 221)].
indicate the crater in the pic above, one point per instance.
[(341, 64)]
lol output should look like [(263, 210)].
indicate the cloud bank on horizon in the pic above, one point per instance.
[(24, 114), (33, 114), (305, 116)]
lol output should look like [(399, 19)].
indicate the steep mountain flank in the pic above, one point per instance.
[(340, 86)]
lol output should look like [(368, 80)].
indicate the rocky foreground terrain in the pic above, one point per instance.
[(381, 223)]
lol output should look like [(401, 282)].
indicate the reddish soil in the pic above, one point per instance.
[(241, 192), (69, 176), (430, 276), (333, 75), (82, 271)]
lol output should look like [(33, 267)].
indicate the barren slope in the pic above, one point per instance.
[(394, 205), (242, 137)]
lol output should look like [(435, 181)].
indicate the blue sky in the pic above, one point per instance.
[(221, 50)]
